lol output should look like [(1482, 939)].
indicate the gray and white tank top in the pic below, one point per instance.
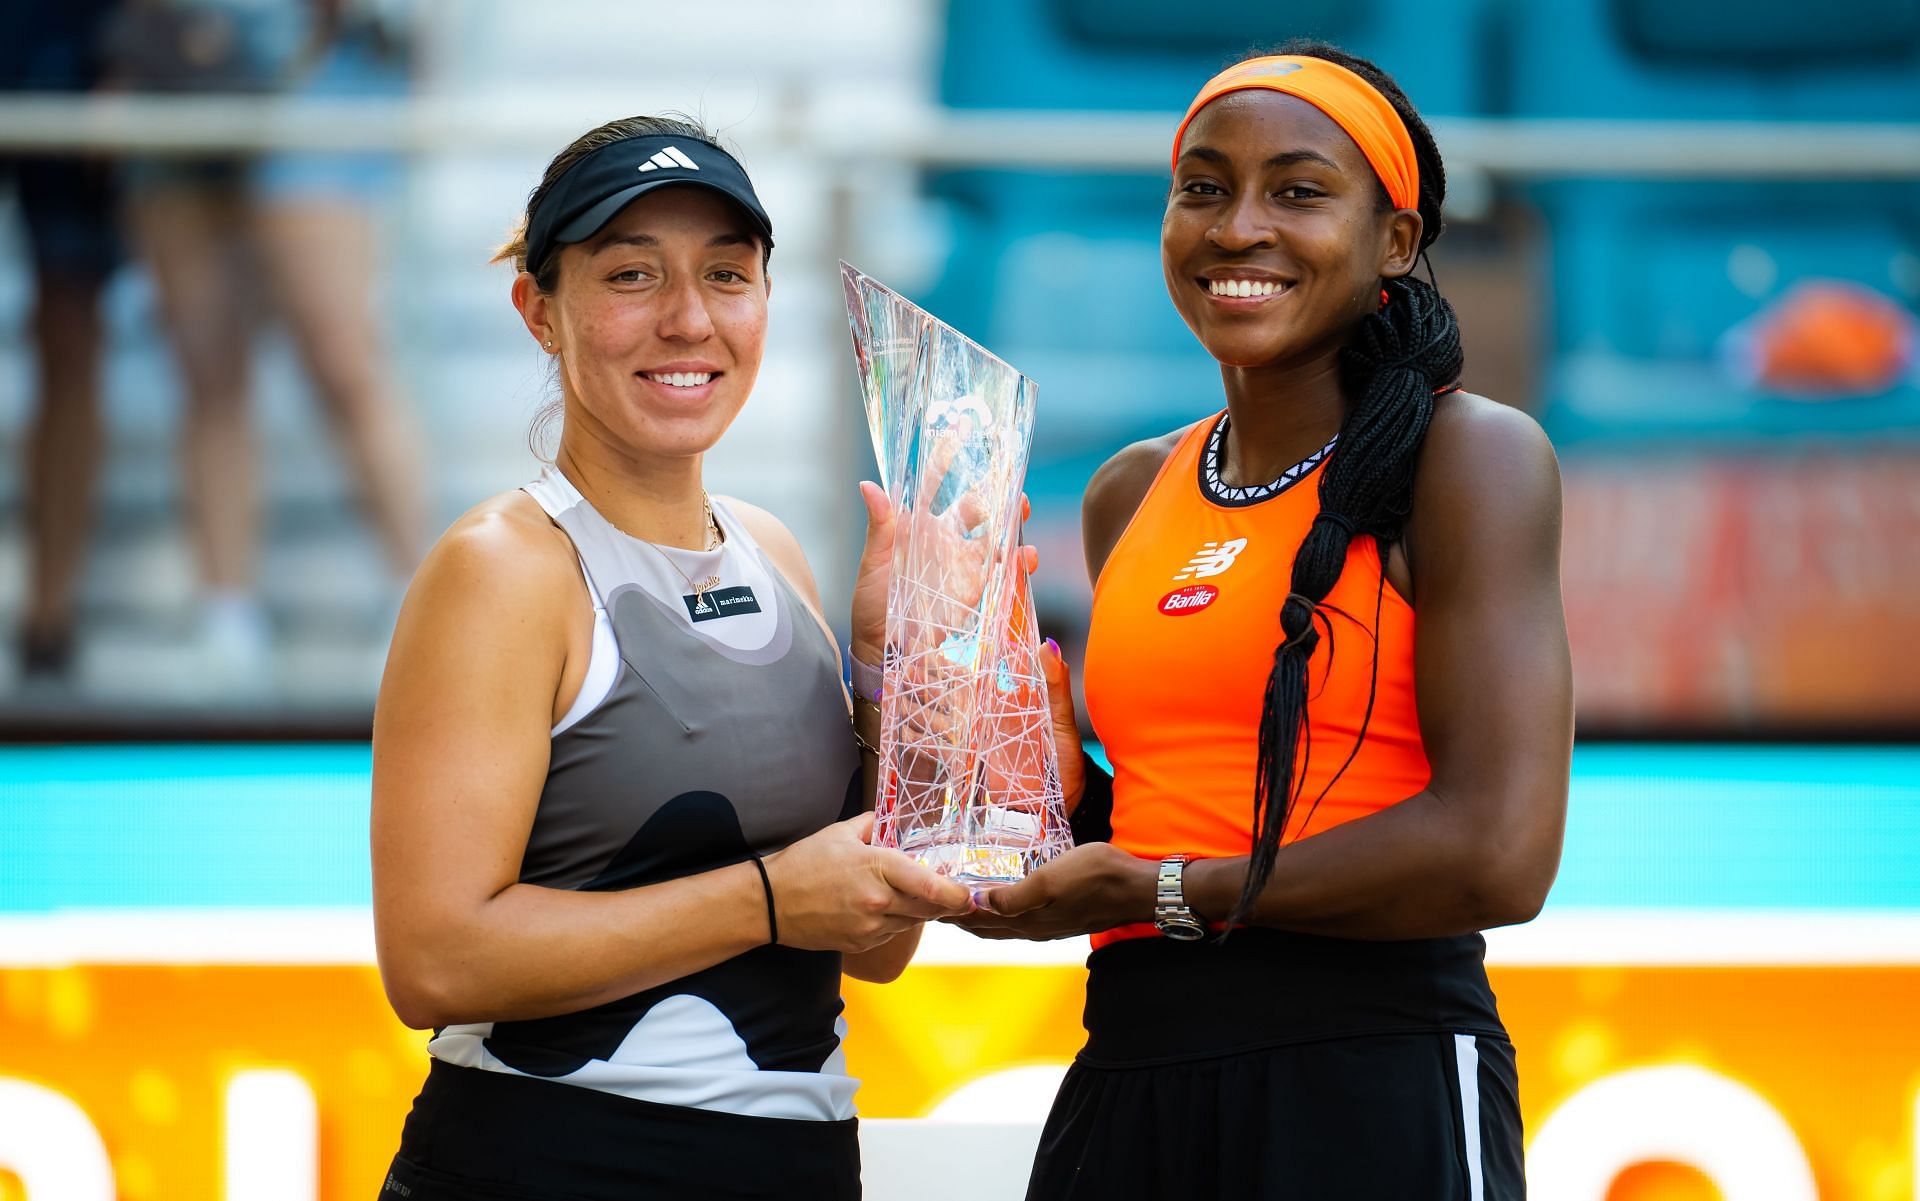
[(703, 729)]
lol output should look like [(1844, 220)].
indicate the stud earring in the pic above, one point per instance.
[(550, 340)]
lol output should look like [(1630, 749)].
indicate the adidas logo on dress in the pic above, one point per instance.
[(671, 157)]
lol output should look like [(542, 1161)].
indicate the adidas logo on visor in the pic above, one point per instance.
[(671, 157)]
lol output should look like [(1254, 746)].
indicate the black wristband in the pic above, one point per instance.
[(773, 923)]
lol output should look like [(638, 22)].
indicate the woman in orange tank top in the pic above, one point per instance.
[(1328, 661)]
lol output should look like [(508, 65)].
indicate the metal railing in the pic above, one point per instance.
[(937, 137)]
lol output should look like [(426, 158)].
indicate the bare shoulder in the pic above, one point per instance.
[(778, 541), (485, 630), (1487, 473), (766, 529), (1114, 494), (1471, 435), (504, 551), (509, 533)]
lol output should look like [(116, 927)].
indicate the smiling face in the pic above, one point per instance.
[(659, 321), (1276, 235)]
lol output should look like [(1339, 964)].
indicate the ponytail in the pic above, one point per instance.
[(1397, 359)]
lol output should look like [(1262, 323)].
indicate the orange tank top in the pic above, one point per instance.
[(1186, 616)]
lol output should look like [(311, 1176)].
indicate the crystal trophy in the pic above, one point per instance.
[(969, 780)]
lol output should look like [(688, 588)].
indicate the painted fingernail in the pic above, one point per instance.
[(1055, 647)]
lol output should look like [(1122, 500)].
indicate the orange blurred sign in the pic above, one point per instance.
[(1740, 591), (1653, 1081)]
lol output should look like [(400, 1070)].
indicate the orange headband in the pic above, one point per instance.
[(1351, 101)]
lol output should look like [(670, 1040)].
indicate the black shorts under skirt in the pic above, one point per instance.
[(1286, 1067), (478, 1135)]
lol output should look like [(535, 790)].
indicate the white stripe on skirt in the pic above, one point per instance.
[(1466, 1057)]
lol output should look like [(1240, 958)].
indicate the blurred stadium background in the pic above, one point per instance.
[(1685, 236)]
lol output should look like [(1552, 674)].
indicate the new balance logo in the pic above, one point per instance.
[(672, 156), (1214, 558)]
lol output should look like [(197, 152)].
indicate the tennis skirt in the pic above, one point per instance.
[(1287, 1066), (476, 1135)]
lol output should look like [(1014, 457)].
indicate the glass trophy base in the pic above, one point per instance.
[(1002, 853)]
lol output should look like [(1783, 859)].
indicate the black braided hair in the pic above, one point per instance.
[(1391, 367)]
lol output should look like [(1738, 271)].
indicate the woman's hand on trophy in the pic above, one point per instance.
[(834, 891), (874, 579), (1066, 725), (1091, 888), (869, 625)]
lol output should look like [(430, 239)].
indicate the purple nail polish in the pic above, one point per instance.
[(1055, 646)]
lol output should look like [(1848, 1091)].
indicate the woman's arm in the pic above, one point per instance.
[(460, 757), (867, 630), (884, 963), (1480, 846)]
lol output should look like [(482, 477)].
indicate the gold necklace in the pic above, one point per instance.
[(714, 538)]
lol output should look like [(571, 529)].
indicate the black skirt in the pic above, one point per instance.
[(478, 1135), (1286, 1066)]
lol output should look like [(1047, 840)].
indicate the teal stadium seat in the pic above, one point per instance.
[(1647, 277), (1060, 272)]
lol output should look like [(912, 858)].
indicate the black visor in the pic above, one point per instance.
[(606, 181)]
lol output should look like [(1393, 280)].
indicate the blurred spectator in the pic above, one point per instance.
[(292, 229), (67, 206), (1824, 339)]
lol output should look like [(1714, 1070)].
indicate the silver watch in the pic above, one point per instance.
[(1170, 913)]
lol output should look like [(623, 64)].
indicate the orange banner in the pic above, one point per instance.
[(192, 1079), (1755, 591)]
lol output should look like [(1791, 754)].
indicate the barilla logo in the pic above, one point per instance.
[(1191, 599)]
